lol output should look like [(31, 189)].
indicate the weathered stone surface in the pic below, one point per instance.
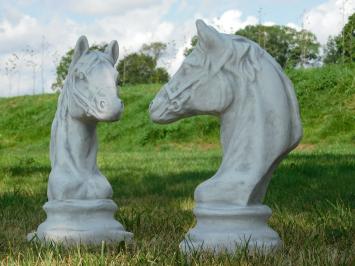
[(79, 208), (233, 78)]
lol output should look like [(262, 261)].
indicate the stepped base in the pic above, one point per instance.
[(71, 222), (227, 229)]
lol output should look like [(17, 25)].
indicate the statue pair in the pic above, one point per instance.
[(225, 75)]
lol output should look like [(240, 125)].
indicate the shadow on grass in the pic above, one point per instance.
[(151, 201), (300, 183), (305, 180)]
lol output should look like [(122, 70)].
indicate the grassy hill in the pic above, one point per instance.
[(326, 96), (154, 170)]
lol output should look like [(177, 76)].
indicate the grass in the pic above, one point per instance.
[(154, 170)]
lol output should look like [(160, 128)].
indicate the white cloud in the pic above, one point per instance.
[(327, 18), (18, 31), (131, 23), (127, 31), (15, 34), (130, 27), (293, 25), (231, 21), (111, 7), (269, 23)]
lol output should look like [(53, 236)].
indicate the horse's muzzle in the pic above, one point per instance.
[(109, 109)]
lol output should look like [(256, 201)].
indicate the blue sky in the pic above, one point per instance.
[(51, 27), (281, 12)]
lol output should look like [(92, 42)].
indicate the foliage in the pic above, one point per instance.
[(341, 48), (326, 98), (136, 68), (160, 75), (64, 63), (154, 49), (332, 54), (139, 68), (193, 43)]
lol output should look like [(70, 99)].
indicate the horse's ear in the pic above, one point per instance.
[(208, 37), (113, 51), (81, 47), (214, 43)]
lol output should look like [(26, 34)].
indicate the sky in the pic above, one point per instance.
[(34, 34)]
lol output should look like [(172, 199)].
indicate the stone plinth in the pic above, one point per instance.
[(226, 229), (71, 222)]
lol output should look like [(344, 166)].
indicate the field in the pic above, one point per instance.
[(154, 169)]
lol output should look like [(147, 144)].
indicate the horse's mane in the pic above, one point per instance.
[(245, 58), (244, 63)]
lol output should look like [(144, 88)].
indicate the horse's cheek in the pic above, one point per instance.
[(218, 100)]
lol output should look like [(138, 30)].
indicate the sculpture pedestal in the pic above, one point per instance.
[(71, 222), (226, 229)]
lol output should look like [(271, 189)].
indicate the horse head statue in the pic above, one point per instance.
[(89, 95), (233, 78)]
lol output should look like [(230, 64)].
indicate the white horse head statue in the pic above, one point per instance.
[(233, 78), (89, 95)]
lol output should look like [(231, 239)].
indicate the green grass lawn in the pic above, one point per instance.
[(154, 170)]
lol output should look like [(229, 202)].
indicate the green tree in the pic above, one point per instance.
[(346, 41), (160, 75), (288, 46), (64, 63), (139, 68), (341, 48), (331, 51), (193, 43), (154, 49)]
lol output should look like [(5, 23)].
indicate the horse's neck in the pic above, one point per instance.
[(257, 131), (74, 145), (240, 136)]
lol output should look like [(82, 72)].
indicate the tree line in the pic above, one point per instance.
[(299, 48), (290, 47)]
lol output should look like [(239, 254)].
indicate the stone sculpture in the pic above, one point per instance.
[(79, 208), (233, 78)]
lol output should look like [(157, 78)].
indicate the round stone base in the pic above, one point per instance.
[(227, 229), (71, 222)]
